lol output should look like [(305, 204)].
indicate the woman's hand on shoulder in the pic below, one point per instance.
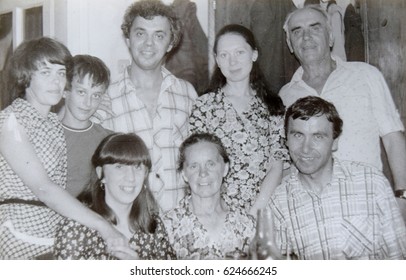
[(124, 253)]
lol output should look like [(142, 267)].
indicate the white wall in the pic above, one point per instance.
[(91, 26)]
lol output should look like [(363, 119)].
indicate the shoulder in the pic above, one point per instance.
[(101, 130), (118, 86)]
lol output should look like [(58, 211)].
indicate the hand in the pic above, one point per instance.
[(113, 237), (106, 106), (124, 253)]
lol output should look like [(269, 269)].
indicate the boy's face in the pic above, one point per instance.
[(82, 100)]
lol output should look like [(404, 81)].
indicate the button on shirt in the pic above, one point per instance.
[(354, 217), (363, 100), (163, 134)]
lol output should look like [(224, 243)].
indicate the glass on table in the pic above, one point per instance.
[(264, 242)]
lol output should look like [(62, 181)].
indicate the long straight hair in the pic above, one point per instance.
[(127, 149), (257, 80)]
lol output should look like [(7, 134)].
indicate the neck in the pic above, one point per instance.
[(71, 122), (237, 89), (145, 78), (207, 206), (320, 69)]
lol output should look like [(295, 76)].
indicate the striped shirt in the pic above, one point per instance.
[(354, 217), (163, 134)]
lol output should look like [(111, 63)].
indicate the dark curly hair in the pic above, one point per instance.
[(149, 9)]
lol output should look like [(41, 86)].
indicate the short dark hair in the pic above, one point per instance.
[(149, 9), (198, 138), (313, 106), (30, 55), (93, 66)]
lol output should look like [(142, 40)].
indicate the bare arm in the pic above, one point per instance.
[(271, 181), (20, 155), (395, 147)]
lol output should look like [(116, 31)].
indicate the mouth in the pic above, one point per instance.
[(148, 53), (127, 189)]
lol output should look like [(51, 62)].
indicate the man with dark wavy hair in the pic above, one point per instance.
[(149, 100), (328, 208)]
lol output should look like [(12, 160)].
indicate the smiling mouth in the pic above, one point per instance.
[(127, 189)]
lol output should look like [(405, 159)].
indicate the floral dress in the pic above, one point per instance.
[(76, 241), (27, 226), (190, 239), (252, 140)]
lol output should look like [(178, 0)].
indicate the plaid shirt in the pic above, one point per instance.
[(355, 216), (162, 135)]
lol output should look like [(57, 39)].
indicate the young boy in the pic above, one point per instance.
[(91, 78)]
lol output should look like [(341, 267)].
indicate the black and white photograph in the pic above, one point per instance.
[(233, 131)]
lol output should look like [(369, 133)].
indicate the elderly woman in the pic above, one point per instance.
[(201, 227)]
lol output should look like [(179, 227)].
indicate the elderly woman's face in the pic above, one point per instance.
[(204, 169)]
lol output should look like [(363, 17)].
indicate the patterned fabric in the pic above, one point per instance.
[(76, 241), (162, 135), (81, 145), (252, 140), (190, 239), (26, 230), (354, 217), (364, 102)]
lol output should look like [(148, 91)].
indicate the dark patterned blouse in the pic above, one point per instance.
[(76, 241)]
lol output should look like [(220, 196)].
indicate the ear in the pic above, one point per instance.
[(170, 47), (255, 55), (184, 177), (127, 42), (99, 172), (331, 39), (335, 144), (65, 93), (289, 44), (226, 169)]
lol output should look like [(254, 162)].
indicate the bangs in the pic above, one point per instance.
[(125, 152)]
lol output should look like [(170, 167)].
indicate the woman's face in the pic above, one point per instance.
[(47, 85), (204, 169), (235, 57), (122, 183)]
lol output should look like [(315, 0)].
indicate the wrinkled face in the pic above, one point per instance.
[(311, 144), (310, 38), (46, 85), (82, 100), (204, 169), (235, 57), (122, 182), (149, 41)]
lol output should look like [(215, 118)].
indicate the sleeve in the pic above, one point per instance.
[(383, 106), (70, 241), (279, 151), (163, 247), (393, 227), (198, 117)]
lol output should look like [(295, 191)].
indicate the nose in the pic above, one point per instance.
[(233, 59), (87, 100), (306, 145), (149, 40), (203, 171), (130, 174), (306, 34)]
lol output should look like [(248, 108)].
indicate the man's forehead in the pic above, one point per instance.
[(306, 17), (313, 124), (157, 22)]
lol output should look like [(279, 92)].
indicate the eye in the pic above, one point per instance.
[(97, 95), (319, 136), (298, 135), (118, 166), (240, 52), (62, 74), (192, 166), (296, 32), (160, 36), (45, 72), (81, 92), (138, 167), (222, 55), (139, 34), (211, 164)]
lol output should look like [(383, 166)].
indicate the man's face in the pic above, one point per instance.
[(149, 41), (310, 38), (311, 144)]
